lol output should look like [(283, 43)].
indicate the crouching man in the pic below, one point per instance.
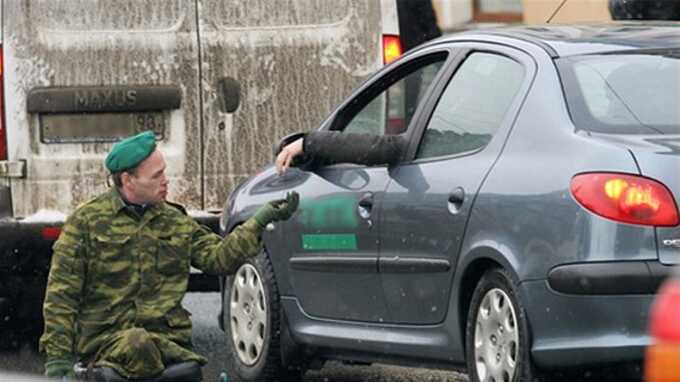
[(121, 268)]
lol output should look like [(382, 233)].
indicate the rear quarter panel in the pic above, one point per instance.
[(525, 213)]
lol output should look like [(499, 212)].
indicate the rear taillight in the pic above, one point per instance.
[(626, 198), (391, 48), (662, 358), (3, 133)]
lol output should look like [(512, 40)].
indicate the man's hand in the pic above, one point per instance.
[(59, 368), (280, 209), (287, 154)]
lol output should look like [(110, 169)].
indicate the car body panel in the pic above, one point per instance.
[(563, 337)]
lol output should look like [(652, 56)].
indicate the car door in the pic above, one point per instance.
[(427, 202), (334, 267), (79, 76)]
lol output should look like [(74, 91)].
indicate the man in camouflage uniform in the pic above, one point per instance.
[(121, 267)]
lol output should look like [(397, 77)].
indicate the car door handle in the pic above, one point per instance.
[(456, 199), (457, 196), (365, 205)]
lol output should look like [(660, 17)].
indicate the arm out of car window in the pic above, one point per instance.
[(338, 147)]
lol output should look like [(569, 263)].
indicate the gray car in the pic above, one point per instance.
[(525, 229)]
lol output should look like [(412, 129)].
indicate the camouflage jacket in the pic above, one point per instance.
[(113, 270)]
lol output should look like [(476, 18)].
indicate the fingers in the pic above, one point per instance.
[(287, 154), (287, 161), (281, 160)]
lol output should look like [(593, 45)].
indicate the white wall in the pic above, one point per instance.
[(453, 13)]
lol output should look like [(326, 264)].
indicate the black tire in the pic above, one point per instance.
[(500, 349), (265, 364)]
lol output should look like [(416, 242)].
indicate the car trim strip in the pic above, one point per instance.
[(398, 264), (332, 263), (630, 277)]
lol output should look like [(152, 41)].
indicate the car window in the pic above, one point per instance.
[(472, 106), (631, 93), (391, 110)]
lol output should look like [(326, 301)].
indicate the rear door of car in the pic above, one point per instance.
[(80, 75), (424, 212), (293, 60)]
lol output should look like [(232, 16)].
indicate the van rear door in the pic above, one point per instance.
[(81, 74), (294, 61)]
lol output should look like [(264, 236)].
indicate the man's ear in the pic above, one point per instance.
[(126, 179)]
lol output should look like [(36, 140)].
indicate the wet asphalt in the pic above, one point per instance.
[(209, 341)]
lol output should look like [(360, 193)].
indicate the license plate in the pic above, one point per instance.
[(98, 127)]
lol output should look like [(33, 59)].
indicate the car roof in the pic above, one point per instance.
[(561, 40)]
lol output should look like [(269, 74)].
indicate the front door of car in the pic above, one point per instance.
[(426, 205), (334, 267)]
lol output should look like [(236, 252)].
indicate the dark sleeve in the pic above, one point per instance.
[(366, 149)]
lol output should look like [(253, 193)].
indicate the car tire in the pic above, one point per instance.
[(498, 340), (252, 319)]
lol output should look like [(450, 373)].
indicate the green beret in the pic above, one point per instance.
[(129, 152)]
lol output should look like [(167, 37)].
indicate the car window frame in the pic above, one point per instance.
[(367, 92), (465, 49)]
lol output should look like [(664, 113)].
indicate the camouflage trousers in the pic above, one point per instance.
[(136, 353)]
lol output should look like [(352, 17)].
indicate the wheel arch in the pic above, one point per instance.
[(472, 268)]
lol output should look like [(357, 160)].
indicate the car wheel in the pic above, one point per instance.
[(497, 332), (252, 320)]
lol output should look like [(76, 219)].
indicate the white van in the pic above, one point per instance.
[(218, 81)]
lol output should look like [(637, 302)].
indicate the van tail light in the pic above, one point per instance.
[(391, 48), (3, 131), (626, 198), (50, 233), (661, 357)]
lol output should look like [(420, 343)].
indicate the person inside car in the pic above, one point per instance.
[(338, 147), (121, 265)]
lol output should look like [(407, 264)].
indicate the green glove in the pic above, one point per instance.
[(59, 368), (275, 210)]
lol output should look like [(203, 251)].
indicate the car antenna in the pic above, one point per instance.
[(556, 10)]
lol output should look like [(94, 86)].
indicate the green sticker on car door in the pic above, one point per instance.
[(337, 242)]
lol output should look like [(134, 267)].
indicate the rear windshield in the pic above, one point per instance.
[(624, 93)]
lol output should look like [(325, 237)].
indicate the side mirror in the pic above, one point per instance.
[(228, 94)]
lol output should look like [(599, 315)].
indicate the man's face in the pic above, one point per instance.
[(148, 184)]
